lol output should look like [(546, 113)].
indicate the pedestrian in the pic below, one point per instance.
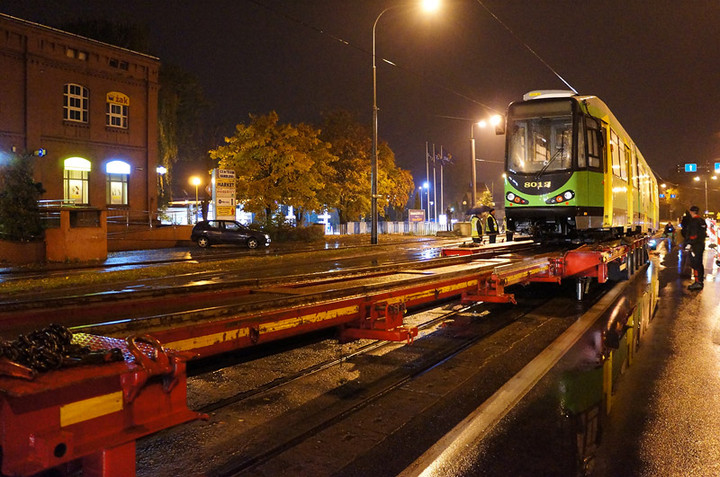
[(695, 236), (669, 233), (476, 226), (491, 226), (684, 225)]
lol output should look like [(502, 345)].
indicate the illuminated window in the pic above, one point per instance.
[(76, 180), (118, 173), (594, 147), (116, 110), (75, 103)]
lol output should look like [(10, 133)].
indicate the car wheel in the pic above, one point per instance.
[(252, 242), (203, 242)]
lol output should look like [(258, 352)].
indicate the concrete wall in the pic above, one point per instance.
[(141, 238), (77, 241), (21, 253)]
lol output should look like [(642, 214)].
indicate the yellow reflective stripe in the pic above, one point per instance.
[(207, 340), (90, 408), (311, 318), (431, 292)]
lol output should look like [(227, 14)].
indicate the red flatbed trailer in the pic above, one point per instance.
[(88, 417)]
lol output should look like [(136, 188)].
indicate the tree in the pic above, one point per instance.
[(277, 164), (485, 198), (19, 195), (181, 134), (394, 184), (352, 144)]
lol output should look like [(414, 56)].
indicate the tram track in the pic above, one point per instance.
[(203, 299), (270, 443), (215, 254)]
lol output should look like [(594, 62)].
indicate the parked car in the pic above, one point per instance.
[(212, 232)]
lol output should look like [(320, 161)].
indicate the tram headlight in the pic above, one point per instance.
[(515, 199), (560, 198)]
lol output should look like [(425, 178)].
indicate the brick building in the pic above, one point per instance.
[(92, 107)]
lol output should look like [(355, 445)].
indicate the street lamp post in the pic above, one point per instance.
[(697, 179), (494, 120), (428, 5), (195, 180)]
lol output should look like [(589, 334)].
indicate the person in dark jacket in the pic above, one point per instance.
[(491, 226), (695, 237), (684, 225)]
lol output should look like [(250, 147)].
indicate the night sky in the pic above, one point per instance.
[(656, 63)]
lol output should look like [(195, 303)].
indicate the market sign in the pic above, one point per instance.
[(223, 193)]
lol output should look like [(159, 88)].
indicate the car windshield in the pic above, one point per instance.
[(539, 143)]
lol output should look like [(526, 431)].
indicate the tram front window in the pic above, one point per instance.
[(540, 144)]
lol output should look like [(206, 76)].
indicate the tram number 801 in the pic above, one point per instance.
[(538, 185)]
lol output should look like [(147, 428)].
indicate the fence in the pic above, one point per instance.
[(414, 228)]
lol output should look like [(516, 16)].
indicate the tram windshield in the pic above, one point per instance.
[(540, 137)]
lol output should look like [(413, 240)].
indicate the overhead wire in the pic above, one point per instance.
[(347, 43), (453, 91), (534, 53)]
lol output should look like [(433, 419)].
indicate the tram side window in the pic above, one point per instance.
[(594, 147), (615, 153), (625, 162), (581, 157)]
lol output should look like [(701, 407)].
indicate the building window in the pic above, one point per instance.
[(118, 173), (75, 105), (76, 180), (73, 53), (116, 110)]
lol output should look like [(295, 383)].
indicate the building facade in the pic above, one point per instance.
[(87, 113)]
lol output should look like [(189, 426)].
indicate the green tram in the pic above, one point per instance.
[(572, 171)]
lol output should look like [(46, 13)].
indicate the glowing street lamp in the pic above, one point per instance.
[(196, 181), (428, 6)]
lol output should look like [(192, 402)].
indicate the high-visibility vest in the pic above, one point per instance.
[(474, 221), (491, 226)]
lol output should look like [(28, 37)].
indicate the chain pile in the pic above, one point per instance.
[(52, 348)]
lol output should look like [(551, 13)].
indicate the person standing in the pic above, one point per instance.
[(476, 226), (696, 233), (491, 226)]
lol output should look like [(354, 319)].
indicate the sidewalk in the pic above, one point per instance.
[(666, 415)]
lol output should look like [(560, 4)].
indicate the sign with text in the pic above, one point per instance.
[(223, 193), (416, 215)]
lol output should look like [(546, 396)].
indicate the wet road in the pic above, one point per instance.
[(666, 415)]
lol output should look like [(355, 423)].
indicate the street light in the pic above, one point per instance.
[(427, 5), (494, 121), (196, 181), (697, 179)]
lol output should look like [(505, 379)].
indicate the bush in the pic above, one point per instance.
[(19, 195), (290, 233)]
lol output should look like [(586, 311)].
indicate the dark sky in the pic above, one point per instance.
[(656, 63)]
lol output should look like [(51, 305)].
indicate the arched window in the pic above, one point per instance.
[(76, 180), (118, 173), (116, 110), (75, 103)]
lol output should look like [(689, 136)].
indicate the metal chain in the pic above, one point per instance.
[(52, 348)]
